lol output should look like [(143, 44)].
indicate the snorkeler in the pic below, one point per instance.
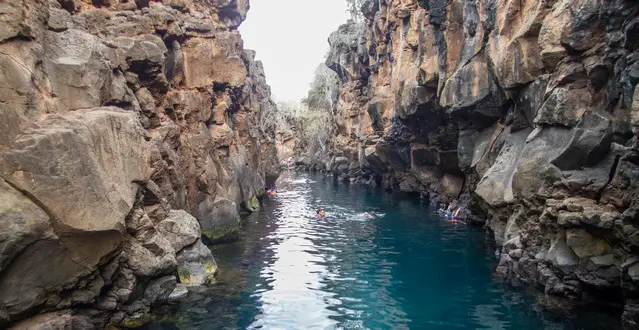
[(321, 213)]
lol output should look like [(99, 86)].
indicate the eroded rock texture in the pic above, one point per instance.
[(527, 110), (128, 131)]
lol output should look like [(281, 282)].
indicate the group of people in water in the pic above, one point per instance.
[(321, 213), (451, 212)]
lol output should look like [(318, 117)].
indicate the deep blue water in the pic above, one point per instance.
[(405, 268)]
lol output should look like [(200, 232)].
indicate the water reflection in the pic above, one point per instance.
[(293, 273), (401, 268)]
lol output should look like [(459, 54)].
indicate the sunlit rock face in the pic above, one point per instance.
[(128, 130), (526, 110)]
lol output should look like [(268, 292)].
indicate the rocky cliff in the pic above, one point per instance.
[(524, 109), (128, 130)]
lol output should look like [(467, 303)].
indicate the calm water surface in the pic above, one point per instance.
[(405, 268)]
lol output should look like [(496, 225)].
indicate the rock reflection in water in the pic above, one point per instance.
[(400, 268)]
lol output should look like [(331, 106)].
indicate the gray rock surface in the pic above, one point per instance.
[(526, 111)]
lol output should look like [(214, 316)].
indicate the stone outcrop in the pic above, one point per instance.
[(524, 110), (128, 130)]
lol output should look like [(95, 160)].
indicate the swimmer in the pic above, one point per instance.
[(451, 206), (454, 217), (321, 213), (366, 215), (456, 213)]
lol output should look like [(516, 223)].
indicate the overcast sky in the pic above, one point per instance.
[(290, 37)]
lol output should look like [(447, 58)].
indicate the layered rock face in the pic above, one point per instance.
[(524, 109), (128, 130)]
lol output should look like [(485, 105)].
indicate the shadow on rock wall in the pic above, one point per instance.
[(526, 110)]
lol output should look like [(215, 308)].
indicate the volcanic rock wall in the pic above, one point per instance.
[(524, 109), (128, 129)]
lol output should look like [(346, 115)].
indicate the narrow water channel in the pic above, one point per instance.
[(404, 268)]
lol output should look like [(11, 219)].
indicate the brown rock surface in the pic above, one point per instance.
[(121, 124), (526, 110)]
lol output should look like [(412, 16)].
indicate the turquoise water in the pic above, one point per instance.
[(404, 268)]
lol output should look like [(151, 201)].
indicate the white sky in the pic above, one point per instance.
[(290, 37)]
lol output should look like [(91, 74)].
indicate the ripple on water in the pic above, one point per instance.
[(398, 267)]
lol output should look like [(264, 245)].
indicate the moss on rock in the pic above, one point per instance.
[(254, 203), (222, 235), (251, 205)]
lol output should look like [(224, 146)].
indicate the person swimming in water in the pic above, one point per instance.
[(451, 206), (321, 213), (270, 191), (366, 215), (454, 217)]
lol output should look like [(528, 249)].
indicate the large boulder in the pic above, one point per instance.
[(53, 321), (560, 254), (495, 186), (585, 245), (456, 93), (180, 228), (76, 65), (196, 265), (82, 166), (210, 61), (81, 170), (219, 219)]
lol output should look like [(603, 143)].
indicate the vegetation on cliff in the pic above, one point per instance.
[(305, 127)]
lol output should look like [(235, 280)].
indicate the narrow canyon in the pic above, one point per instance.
[(132, 136)]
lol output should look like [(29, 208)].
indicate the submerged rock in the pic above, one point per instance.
[(50, 321), (180, 293), (220, 221), (196, 265)]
